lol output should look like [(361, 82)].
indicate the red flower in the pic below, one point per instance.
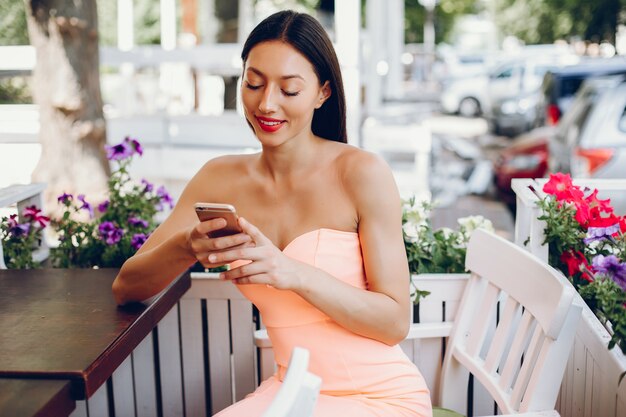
[(33, 214), (576, 262), (560, 185), (622, 224)]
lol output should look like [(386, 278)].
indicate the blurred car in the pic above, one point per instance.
[(560, 85), (464, 96), (513, 92), (590, 141), (526, 157)]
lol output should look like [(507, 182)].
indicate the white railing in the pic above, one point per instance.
[(593, 385), (201, 357)]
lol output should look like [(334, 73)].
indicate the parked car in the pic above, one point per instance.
[(465, 96), (560, 85), (526, 157), (590, 140), (513, 92)]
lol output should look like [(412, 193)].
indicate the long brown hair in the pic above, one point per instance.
[(307, 36)]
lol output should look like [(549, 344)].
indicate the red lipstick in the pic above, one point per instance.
[(268, 124)]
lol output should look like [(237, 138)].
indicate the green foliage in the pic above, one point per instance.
[(446, 13), (13, 30), (544, 21), (15, 90), (608, 301)]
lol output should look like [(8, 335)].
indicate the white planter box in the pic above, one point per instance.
[(593, 385)]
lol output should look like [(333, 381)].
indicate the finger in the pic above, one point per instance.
[(251, 279), (244, 253), (210, 225), (225, 242), (243, 271), (254, 232)]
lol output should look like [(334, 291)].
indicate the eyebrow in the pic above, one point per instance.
[(284, 77)]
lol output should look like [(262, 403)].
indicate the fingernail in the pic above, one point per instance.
[(222, 275), (212, 258)]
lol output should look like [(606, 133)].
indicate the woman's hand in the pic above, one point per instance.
[(202, 246), (268, 264)]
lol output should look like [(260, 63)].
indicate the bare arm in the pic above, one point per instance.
[(382, 311), (173, 247)]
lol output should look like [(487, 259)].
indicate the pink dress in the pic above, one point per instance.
[(360, 376)]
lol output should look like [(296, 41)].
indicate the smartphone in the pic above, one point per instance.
[(208, 211)]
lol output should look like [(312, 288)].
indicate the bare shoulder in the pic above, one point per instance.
[(217, 176), (363, 171)]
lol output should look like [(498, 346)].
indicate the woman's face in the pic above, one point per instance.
[(280, 92)]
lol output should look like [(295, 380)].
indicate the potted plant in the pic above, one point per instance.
[(587, 243), (102, 235), (435, 253)]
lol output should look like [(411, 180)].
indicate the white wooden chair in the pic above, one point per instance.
[(520, 358), (513, 331), (298, 394)]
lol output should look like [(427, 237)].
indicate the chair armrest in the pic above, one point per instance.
[(261, 339), (429, 330), (416, 331)]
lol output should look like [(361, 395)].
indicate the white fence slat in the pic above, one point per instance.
[(123, 389), (579, 367), (80, 410), (242, 331), (587, 412), (170, 367), (193, 356), (98, 404), (145, 384), (219, 355)]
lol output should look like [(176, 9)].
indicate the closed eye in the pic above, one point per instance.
[(252, 87)]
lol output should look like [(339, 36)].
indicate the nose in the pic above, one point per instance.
[(267, 103)]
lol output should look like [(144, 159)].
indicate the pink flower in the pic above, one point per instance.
[(561, 186)]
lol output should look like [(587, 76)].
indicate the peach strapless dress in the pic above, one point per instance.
[(361, 377)]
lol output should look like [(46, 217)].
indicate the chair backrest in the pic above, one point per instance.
[(298, 394), (514, 329)]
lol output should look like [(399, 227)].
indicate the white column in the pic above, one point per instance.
[(374, 54), (125, 25), (347, 30), (168, 24), (245, 20), (395, 47), (208, 22)]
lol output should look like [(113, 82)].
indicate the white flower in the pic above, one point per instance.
[(470, 223)]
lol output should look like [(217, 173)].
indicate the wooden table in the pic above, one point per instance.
[(63, 324)]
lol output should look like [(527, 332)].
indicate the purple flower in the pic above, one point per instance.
[(600, 233), (16, 229), (164, 197), (109, 233), (65, 199), (119, 152), (86, 205), (102, 207), (148, 187), (612, 267), (136, 221), (137, 240), (134, 144)]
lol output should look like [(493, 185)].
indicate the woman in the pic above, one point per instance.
[(321, 253)]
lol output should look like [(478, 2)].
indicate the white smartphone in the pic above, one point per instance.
[(208, 211)]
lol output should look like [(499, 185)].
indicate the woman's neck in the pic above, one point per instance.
[(290, 159)]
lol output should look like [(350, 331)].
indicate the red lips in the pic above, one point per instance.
[(268, 124)]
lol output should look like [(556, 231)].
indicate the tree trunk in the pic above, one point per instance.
[(67, 89)]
